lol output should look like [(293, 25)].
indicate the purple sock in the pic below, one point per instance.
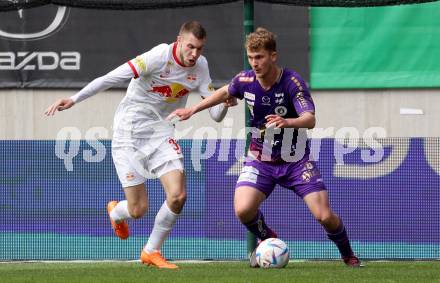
[(259, 228), (340, 238)]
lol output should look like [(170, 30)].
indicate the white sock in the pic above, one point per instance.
[(164, 222), (120, 212)]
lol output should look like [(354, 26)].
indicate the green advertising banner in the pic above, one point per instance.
[(382, 47)]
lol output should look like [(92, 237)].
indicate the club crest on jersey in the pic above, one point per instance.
[(265, 100), (171, 92), (191, 77), (281, 110)]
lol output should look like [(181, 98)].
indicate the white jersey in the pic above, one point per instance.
[(160, 85)]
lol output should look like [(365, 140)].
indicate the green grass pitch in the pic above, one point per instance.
[(218, 272)]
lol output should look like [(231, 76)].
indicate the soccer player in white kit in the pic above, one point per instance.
[(143, 145)]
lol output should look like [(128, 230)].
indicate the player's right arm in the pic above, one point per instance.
[(139, 66), (113, 78), (219, 96)]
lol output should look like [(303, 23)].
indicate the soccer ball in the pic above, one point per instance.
[(272, 253)]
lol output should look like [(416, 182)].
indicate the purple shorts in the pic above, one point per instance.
[(302, 177)]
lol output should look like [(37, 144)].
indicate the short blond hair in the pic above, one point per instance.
[(261, 38)]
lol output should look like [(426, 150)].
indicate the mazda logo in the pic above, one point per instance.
[(39, 19)]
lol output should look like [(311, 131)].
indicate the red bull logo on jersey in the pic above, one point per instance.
[(171, 92)]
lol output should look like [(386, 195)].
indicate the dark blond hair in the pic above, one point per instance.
[(195, 28), (261, 38)]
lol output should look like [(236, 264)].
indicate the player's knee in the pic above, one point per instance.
[(177, 200), (243, 213), (138, 211), (321, 216), (325, 218)]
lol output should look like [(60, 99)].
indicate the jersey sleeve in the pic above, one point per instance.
[(300, 95), (111, 79), (148, 62), (235, 89)]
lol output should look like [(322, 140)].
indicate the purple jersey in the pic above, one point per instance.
[(289, 97)]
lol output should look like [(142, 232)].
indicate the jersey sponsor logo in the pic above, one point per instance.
[(171, 92), (302, 101), (297, 83), (279, 98), (265, 100), (251, 107), (34, 15), (45, 61), (249, 95), (281, 110), (246, 79), (140, 64)]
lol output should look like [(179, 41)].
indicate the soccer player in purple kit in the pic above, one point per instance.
[(280, 103)]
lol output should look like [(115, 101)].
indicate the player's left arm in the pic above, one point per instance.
[(219, 96), (305, 120), (219, 111), (302, 101)]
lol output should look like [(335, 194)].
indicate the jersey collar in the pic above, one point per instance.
[(175, 55)]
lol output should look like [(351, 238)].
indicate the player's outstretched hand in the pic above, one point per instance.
[(60, 105), (231, 101), (182, 113), (275, 121)]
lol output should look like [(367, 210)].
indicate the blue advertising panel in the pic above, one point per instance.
[(50, 210)]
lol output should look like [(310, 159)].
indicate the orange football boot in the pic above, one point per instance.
[(121, 228), (157, 260)]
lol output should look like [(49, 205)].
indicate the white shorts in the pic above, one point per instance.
[(144, 160)]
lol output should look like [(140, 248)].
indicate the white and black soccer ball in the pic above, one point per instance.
[(272, 253)]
